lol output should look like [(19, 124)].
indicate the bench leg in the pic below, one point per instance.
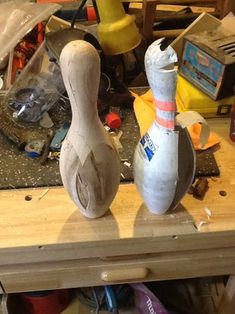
[(227, 304)]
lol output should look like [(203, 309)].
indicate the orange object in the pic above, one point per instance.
[(113, 120), (91, 14), (22, 54), (40, 36)]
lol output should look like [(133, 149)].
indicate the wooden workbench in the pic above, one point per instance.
[(45, 243)]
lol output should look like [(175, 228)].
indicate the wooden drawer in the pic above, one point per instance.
[(92, 272)]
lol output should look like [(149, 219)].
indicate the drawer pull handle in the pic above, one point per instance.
[(124, 274)]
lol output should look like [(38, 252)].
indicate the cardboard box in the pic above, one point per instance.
[(208, 23), (208, 62), (205, 22)]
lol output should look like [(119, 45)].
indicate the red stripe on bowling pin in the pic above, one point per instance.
[(169, 124), (167, 106)]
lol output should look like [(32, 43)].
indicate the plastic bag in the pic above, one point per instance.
[(17, 19), (146, 302), (37, 88)]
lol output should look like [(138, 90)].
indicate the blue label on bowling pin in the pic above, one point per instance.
[(148, 146)]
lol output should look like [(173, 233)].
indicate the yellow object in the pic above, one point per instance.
[(144, 111), (145, 114), (117, 30), (189, 97)]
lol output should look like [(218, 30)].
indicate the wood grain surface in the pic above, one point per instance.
[(52, 218), (47, 243)]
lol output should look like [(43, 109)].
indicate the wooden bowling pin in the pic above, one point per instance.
[(157, 160), (89, 164)]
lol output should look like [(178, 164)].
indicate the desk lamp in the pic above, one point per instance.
[(117, 31)]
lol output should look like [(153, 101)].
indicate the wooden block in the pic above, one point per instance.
[(167, 33), (149, 9), (227, 6)]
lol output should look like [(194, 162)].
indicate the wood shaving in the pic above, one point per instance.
[(202, 223), (208, 212), (43, 194), (128, 164)]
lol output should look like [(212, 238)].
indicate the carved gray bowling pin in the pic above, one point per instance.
[(164, 160), (89, 164)]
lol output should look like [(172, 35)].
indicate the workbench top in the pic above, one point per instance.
[(49, 227), (51, 218)]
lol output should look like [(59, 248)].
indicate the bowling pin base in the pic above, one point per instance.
[(155, 168), (93, 185), (186, 169)]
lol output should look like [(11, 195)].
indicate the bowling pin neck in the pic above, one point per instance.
[(84, 112), (162, 78), (164, 90), (165, 113), (80, 67)]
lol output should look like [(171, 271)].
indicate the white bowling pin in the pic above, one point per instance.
[(156, 155), (89, 164)]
